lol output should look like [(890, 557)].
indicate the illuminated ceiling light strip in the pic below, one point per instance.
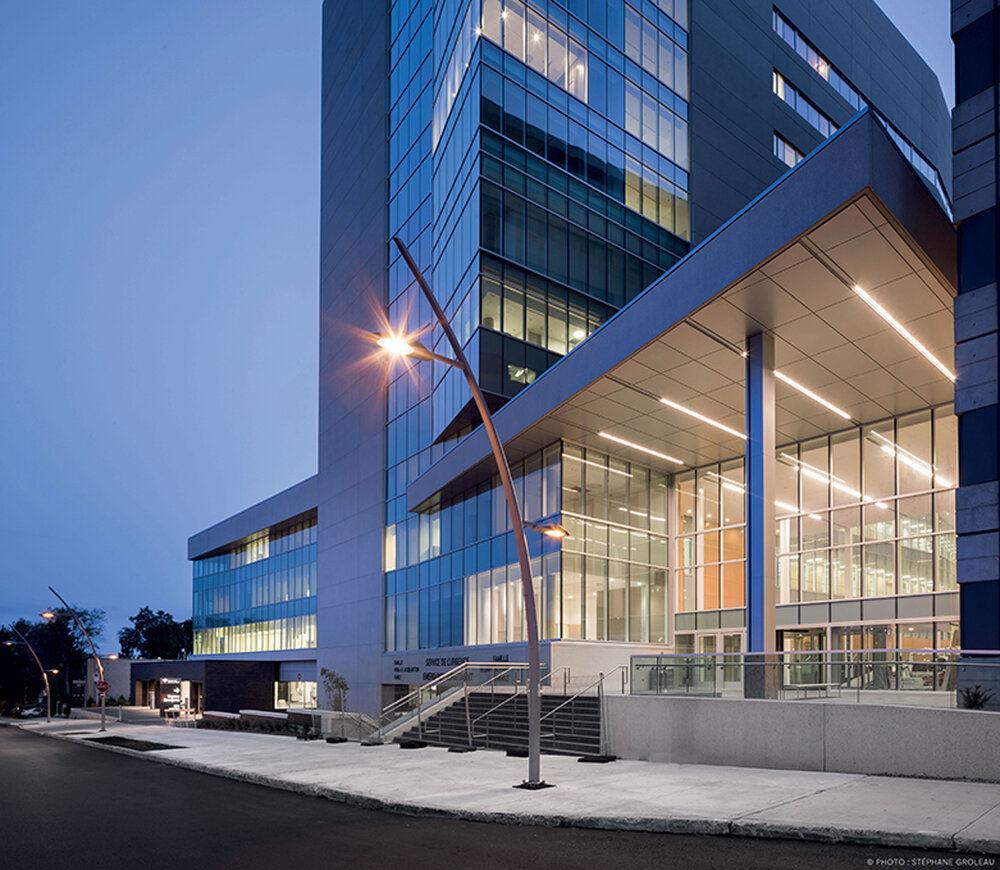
[(596, 465), (702, 417), (807, 392), (640, 448), (895, 324)]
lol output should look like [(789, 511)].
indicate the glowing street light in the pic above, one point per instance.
[(395, 344), (45, 673), (48, 614), (550, 528), (411, 348)]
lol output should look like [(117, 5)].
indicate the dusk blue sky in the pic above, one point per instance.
[(159, 181)]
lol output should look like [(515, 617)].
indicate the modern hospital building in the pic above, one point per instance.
[(732, 298)]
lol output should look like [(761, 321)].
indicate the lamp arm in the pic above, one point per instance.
[(93, 649), (517, 524)]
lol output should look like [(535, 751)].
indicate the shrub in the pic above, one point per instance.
[(975, 698)]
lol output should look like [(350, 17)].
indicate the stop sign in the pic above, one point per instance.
[(103, 687)]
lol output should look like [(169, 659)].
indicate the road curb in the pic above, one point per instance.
[(743, 828)]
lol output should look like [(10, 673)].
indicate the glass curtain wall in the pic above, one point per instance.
[(414, 44), (560, 178), (608, 580), (864, 513), (614, 577), (539, 174), (869, 512), (259, 594), (452, 574)]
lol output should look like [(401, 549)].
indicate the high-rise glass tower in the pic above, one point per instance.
[(545, 162)]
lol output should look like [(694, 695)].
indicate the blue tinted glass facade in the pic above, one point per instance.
[(259, 594), (538, 165)]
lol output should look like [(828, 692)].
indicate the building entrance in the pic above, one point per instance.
[(806, 666)]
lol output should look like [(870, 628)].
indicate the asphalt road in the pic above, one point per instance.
[(68, 806)]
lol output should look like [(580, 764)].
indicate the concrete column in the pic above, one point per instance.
[(761, 673), (976, 143)]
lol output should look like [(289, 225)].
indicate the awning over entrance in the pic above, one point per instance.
[(847, 261)]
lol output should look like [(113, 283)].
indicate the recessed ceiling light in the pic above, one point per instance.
[(639, 447), (807, 392), (678, 407), (895, 324)]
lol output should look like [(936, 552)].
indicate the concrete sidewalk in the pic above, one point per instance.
[(624, 795)]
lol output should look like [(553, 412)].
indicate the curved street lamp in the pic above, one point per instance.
[(401, 345), (45, 673), (48, 614)]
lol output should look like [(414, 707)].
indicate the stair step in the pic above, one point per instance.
[(571, 726)]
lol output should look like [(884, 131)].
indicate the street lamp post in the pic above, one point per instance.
[(45, 673), (48, 614), (404, 347)]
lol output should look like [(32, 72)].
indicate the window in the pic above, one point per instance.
[(540, 44), (786, 152), (820, 64), (787, 92)]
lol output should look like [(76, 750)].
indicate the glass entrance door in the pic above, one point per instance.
[(804, 665), (732, 673), (727, 672)]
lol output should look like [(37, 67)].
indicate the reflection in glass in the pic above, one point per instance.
[(536, 41)]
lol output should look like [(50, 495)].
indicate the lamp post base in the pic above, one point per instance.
[(535, 786)]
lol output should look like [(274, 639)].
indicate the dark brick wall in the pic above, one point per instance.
[(229, 686)]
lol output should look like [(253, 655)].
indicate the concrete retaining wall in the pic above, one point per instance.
[(798, 735)]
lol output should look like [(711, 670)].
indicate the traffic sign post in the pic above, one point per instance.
[(102, 688)]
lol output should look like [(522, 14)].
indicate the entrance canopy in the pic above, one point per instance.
[(847, 261)]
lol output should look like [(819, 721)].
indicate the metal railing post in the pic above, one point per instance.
[(600, 714), (468, 717)]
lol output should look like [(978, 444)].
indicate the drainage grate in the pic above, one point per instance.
[(129, 743)]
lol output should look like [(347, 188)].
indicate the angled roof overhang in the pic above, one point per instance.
[(852, 213)]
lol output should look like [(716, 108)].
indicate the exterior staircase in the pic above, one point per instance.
[(571, 725)]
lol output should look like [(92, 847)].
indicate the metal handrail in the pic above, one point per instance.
[(515, 693), (788, 652), (599, 681), (400, 701), (448, 675), (386, 717), (893, 670), (496, 707)]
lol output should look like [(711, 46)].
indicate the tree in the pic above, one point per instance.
[(59, 643), (336, 688), (155, 636)]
